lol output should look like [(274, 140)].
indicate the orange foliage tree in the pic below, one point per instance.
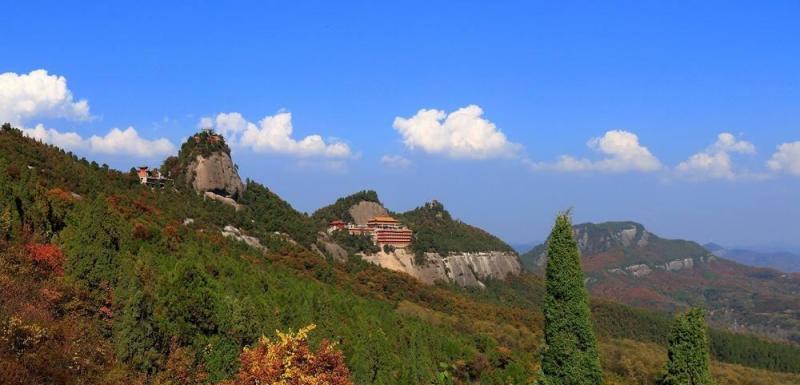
[(47, 257), (290, 361)]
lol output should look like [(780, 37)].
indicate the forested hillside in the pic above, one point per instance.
[(104, 280), (435, 230)]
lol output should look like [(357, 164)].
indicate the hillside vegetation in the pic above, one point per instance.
[(107, 281), (435, 230)]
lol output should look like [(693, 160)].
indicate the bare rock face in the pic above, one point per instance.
[(364, 211), (465, 269), (233, 232), (216, 174), (639, 270), (220, 198), (679, 264)]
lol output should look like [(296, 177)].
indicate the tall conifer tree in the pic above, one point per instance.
[(688, 351), (570, 356)]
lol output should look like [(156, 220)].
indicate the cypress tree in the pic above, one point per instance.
[(570, 355), (688, 355), (91, 242)]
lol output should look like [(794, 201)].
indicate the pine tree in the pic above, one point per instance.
[(688, 351), (91, 241), (570, 356)]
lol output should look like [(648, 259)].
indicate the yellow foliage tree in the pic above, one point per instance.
[(290, 361)]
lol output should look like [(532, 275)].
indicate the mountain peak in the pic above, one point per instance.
[(204, 163), (624, 243), (599, 237), (714, 247)]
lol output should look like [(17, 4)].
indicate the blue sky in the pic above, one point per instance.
[(655, 85)]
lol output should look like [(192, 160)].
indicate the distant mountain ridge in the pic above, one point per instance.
[(625, 262), (780, 260), (639, 245)]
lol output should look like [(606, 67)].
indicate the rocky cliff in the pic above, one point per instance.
[(216, 174), (363, 211), (464, 269), (204, 164)]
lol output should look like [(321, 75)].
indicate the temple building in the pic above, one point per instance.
[(151, 177), (384, 230), (388, 231), (336, 225)]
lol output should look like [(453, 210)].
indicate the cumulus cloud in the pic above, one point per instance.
[(395, 161), (66, 140), (463, 133), (38, 95), (715, 161), (130, 143), (229, 125), (273, 134), (786, 159), (726, 142), (622, 152), (115, 142)]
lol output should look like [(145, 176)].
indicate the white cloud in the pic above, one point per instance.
[(115, 142), (228, 124), (622, 151), (129, 142), (463, 133), (395, 161), (205, 122), (66, 140), (726, 142), (705, 165), (38, 95), (274, 134), (715, 161), (786, 159)]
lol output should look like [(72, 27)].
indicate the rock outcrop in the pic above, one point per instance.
[(223, 199), (363, 211), (204, 164), (639, 270), (216, 174), (234, 233), (679, 264), (331, 248), (464, 269)]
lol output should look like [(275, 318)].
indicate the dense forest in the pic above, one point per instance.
[(108, 281)]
